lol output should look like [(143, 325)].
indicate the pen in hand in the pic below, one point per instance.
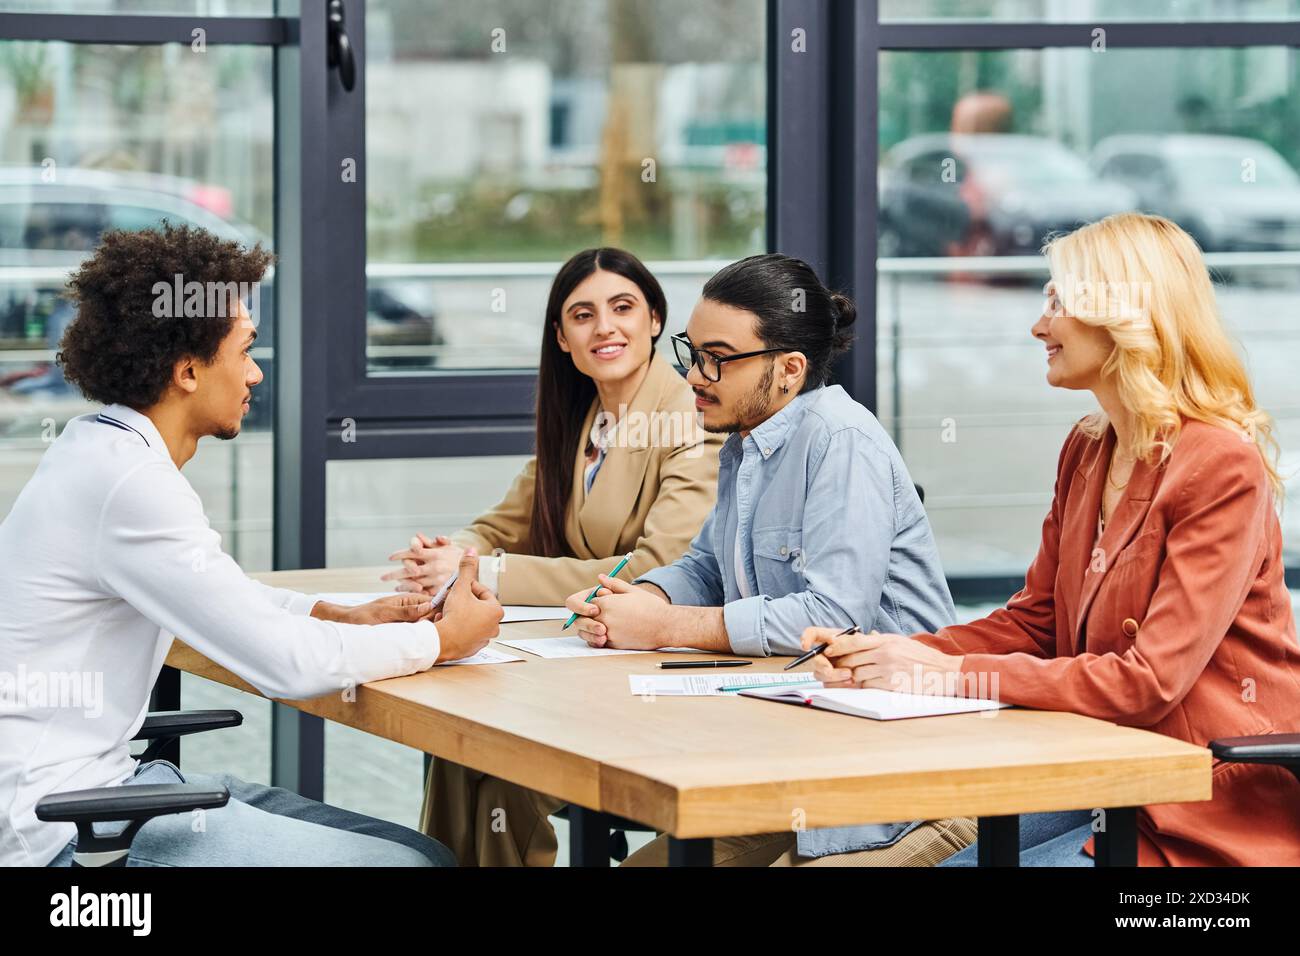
[(819, 649), (596, 590)]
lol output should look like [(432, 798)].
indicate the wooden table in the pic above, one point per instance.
[(704, 767)]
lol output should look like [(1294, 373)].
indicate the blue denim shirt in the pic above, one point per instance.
[(832, 534)]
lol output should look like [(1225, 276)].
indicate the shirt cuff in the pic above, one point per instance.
[(302, 603), (489, 573), (436, 640), (744, 620)]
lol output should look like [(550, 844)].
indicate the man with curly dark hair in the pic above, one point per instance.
[(107, 554), (132, 329)]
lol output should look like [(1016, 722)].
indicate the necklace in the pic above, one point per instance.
[(1110, 480), (1110, 470)]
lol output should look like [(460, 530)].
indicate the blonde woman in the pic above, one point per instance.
[(1157, 598)]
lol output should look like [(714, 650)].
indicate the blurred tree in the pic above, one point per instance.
[(630, 118)]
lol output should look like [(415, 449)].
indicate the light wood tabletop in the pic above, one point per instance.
[(714, 766)]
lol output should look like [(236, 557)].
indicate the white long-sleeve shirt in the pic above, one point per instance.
[(105, 555)]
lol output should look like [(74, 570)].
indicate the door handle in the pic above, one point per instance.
[(340, 47)]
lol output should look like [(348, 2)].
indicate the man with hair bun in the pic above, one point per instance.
[(776, 555)]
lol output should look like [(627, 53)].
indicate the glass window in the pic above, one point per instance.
[(984, 154), (374, 507), (244, 751), (505, 136), (1088, 11), (201, 8), (97, 137)]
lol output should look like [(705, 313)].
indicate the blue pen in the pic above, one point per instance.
[(613, 574)]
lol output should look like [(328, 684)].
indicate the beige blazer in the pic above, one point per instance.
[(653, 492)]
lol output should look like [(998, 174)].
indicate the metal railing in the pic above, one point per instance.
[(892, 273)]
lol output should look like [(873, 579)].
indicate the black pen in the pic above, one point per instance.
[(676, 665), (819, 649)]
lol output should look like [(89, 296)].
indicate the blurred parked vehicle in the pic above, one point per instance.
[(986, 194), (1232, 194), (48, 228)]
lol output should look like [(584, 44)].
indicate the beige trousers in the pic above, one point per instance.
[(487, 821)]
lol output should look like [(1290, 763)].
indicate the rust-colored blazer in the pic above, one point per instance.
[(1177, 621), (656, 486)]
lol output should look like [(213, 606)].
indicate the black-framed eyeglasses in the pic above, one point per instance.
[(709, 363)]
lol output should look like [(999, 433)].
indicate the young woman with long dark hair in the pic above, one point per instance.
[(620, 465)]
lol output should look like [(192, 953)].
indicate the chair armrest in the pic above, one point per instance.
[(128, 802), (178, 723), (164, 727), (136, 804), (1280, 749)]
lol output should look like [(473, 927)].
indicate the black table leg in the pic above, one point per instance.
[(1116, 843), (588, 837), (999, 841), (697, 851)]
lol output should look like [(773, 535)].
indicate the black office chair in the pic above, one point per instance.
[(1282, 750), (137, 804)]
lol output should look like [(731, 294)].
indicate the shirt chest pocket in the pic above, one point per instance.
[(779, 560)]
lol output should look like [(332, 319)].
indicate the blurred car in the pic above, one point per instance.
[(1232, 194), (48, 228), (986, 194)]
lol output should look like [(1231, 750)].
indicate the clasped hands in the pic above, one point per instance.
[(621, 615), (427, 563)]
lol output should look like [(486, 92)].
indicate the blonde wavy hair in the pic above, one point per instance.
[(1142, 278)]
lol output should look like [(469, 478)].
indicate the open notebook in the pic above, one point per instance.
[(876, 704)]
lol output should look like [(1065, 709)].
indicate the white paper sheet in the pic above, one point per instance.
[(517, 612), (514, 612), (552, 647), (708, 685), (489, 655), (878, 704)]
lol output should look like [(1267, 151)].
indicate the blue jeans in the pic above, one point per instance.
[(265, 826), (1046, 839)]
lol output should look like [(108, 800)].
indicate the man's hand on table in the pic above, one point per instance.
[(393, 609), (471, 615)]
